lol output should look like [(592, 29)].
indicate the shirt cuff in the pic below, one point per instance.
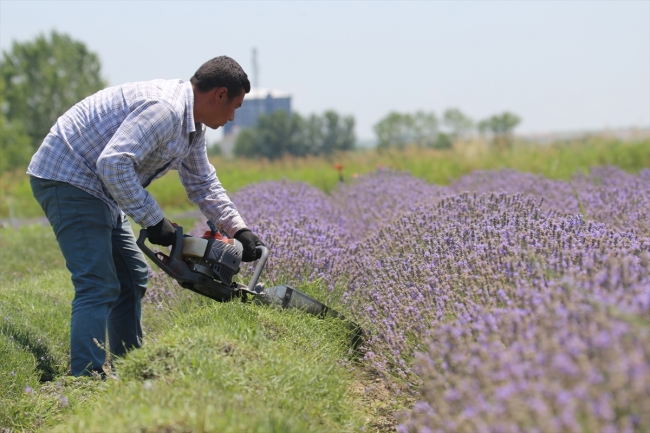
[(151, 218), (233, 226)]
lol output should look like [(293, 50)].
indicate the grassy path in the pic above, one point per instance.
[(206, 366)]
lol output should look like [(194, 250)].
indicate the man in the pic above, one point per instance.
[(93, 168)]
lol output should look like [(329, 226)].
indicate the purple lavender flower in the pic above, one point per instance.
[(506, 301)]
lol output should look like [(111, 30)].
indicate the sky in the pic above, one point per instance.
[(559, 65)]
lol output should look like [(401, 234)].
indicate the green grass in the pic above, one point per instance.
[(232, 367), (557, 161), (29, 250), (205, 366), (35, 295)]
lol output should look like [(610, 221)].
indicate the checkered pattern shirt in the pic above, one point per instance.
[(114, 143)]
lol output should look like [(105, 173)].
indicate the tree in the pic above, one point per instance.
[(214, 149), (330, 133), (443, 141), (314, 134), (15, 146), (246, 144), (501, 128), (44, 78), (278, 133), (396, 129), (425, 129), (274, 135), (458, 125)]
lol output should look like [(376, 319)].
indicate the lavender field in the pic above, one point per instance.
[(504, 302)]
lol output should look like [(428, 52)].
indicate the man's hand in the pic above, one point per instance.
[(163, 233), (250, 242)]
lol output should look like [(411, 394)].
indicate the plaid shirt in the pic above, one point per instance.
[(114, 143)]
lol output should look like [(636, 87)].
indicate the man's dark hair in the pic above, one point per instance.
[(221, 71)]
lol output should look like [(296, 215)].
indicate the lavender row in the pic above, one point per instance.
[(568, 286), (607, 194), (507, 311)]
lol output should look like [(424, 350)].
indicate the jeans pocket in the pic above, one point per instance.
[(44, 191)]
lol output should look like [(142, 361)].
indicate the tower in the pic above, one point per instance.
[(256, 84)]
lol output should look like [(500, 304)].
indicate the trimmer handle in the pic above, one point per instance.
[(264, 254), (175, 264)]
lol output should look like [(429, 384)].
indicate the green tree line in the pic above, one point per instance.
[(426, 129), (278, 133)]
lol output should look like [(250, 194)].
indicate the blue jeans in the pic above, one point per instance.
[(109, 273)]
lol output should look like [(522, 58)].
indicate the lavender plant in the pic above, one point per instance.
[(607, 194), (520, 306)]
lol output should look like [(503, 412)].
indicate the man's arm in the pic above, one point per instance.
[(151, 124), (204, 189)]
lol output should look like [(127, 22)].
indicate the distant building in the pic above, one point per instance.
[(258, 101)]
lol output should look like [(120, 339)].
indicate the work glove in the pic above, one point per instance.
[(250, 242), (163, 233)]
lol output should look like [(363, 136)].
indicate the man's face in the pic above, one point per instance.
[(223, 108)]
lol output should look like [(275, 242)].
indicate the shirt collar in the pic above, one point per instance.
[(189, 107)]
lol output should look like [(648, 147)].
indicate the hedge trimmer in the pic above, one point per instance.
[(206, 265)]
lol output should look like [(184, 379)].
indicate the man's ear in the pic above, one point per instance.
[(221, 94)]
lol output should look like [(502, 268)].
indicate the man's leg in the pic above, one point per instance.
[(124, 320), (83, 227)]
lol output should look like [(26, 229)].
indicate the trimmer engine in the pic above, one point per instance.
[(213, 256)]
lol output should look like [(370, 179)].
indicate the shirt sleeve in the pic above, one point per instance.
[(146, 128), (204, 189)]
